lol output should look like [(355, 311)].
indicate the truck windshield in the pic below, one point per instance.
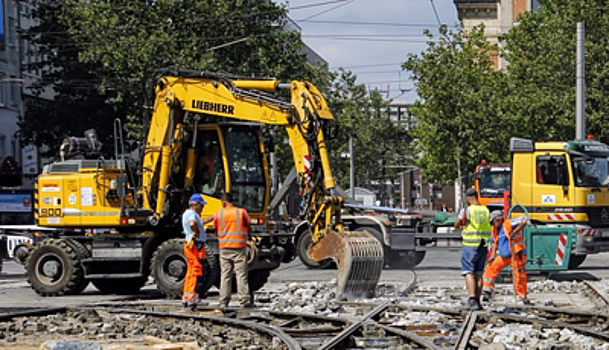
[(248, 184), (591, 172), (494, 182)]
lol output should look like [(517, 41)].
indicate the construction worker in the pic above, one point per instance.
[(507, 249), (476, 231), (194, 250), (233, 227)]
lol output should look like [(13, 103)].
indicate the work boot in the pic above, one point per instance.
[(487, 295), (524, 302), (471, 304)]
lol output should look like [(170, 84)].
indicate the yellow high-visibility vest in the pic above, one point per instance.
[(478, 226)]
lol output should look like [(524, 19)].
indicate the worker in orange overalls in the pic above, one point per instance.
[(194, 250), (507, 249), (233, 227)]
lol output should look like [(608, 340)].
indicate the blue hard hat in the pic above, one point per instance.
[(197, 198)]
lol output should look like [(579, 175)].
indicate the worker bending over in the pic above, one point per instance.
[(507, 249)]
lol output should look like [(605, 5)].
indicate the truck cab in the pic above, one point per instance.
[(491, 180), (565, 183)]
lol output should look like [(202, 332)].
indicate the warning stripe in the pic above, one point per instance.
[(559, 217), (560, 251), (307, 163)]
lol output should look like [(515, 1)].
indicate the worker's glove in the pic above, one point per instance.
[(190, 243)]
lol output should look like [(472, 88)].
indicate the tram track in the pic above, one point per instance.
[(405, 316)]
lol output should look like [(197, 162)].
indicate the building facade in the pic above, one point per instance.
[(498, 17)]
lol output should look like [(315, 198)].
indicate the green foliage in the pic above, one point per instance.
[(542, 57), (459, 116), (78, 104), (101, 56)]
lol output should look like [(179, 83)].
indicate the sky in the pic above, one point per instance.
[(371, 38)]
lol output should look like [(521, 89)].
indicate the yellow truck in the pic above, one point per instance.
[(565, 183)]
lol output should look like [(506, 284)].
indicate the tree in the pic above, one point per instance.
[(459, 112), (541, 52), (78, 104), (129, 41), (101, 56)]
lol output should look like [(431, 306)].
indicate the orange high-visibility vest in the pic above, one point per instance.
[(516, 238), (232, 231)]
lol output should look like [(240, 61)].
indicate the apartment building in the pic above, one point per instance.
[(498, 17)]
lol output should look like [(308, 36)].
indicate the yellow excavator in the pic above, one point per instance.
[(118, 220)]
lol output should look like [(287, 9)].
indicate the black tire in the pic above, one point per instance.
[(256, 279), (576, 260), (405, 259), (302, 247), (83, 253), (120, 285), (54, 268), (168, 268)]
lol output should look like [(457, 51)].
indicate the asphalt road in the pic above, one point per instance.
[(437, 269)]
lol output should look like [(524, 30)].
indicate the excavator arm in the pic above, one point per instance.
[(182, 95)]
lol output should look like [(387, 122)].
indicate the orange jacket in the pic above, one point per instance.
[(515, 237), (232, 226)]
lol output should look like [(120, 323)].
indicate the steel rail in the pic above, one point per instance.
[(332, 343), (598, 293), (290, 342), (426, 344)]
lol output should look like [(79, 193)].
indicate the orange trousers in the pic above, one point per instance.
[(518, 265), (193, 281)]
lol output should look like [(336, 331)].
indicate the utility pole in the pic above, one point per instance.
[(580, 75), (351, 166)]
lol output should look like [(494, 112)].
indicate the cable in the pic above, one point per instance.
[(435, 11), (330, 9)]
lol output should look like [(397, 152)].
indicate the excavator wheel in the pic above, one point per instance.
[(304, 243), (83, 253), (169, 268), (53, 268), (359, 256)]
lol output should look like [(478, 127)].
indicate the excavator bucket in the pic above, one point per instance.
[(359, 257)]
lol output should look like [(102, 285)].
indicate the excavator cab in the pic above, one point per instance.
[(230, 158)]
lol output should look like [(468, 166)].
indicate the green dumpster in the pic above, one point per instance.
[(548, 246)]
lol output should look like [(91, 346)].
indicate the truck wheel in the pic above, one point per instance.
[(169, 268), (54, 269), (120, 285), (576, 260), (406, 259), (303, 244)]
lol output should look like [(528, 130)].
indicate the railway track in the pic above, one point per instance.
[(412, 318)]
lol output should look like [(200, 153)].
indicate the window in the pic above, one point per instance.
[(552, 170), (209, 174), (248, 182), (535, 5)]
